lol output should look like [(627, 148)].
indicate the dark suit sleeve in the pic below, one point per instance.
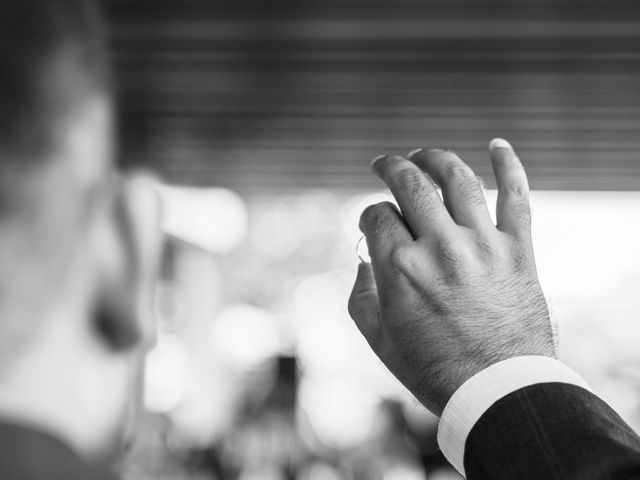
[(551, 431)]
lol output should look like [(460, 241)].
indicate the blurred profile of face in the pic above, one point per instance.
[(124, 249)]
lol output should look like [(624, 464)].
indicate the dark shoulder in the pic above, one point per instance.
[(28, 454)]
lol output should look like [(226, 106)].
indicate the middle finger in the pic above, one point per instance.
[(416, 195)]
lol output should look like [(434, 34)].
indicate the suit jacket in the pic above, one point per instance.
[(552, 431), (27, 454)]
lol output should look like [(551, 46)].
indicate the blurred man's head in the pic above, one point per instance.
[(55, 145), (76, 246)]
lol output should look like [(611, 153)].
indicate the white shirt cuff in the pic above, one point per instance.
[(481, 391)]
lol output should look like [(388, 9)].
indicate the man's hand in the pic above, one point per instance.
[(448, 293)]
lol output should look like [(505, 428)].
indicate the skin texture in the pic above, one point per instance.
[(448, 293)]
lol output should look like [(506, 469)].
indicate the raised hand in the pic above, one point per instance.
[(449, 293)]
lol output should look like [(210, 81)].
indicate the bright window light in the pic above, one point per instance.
[(214, 219)]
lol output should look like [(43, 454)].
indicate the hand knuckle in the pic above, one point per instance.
[(487, 250), (471, 190), (522, 212), (425, 206), (517, 191), (456, 171), (450, 252), (517, 198), (411, 180), (400, 255), (371, 214), (379, 220)]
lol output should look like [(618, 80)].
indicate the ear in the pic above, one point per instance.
[(129, 265)]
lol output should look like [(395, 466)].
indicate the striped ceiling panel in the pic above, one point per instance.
[(269, 96)]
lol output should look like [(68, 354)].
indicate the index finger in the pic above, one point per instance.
[(384, 229), (416, 195)]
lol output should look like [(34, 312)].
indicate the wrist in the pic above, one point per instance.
[(451, 376)]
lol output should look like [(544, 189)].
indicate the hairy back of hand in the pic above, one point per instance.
[(449, 293)]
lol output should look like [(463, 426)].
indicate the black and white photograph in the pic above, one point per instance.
[(319, 240)]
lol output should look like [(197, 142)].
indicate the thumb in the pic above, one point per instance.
[(364, 306)]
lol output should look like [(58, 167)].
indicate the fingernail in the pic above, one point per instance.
[(440, 151), (377, 159), (452, 152), (499, 143), (415, 152)]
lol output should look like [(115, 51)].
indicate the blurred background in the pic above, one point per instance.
[(262, 117)]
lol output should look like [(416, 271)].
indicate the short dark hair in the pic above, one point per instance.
[(53, 63), (34, 35)]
